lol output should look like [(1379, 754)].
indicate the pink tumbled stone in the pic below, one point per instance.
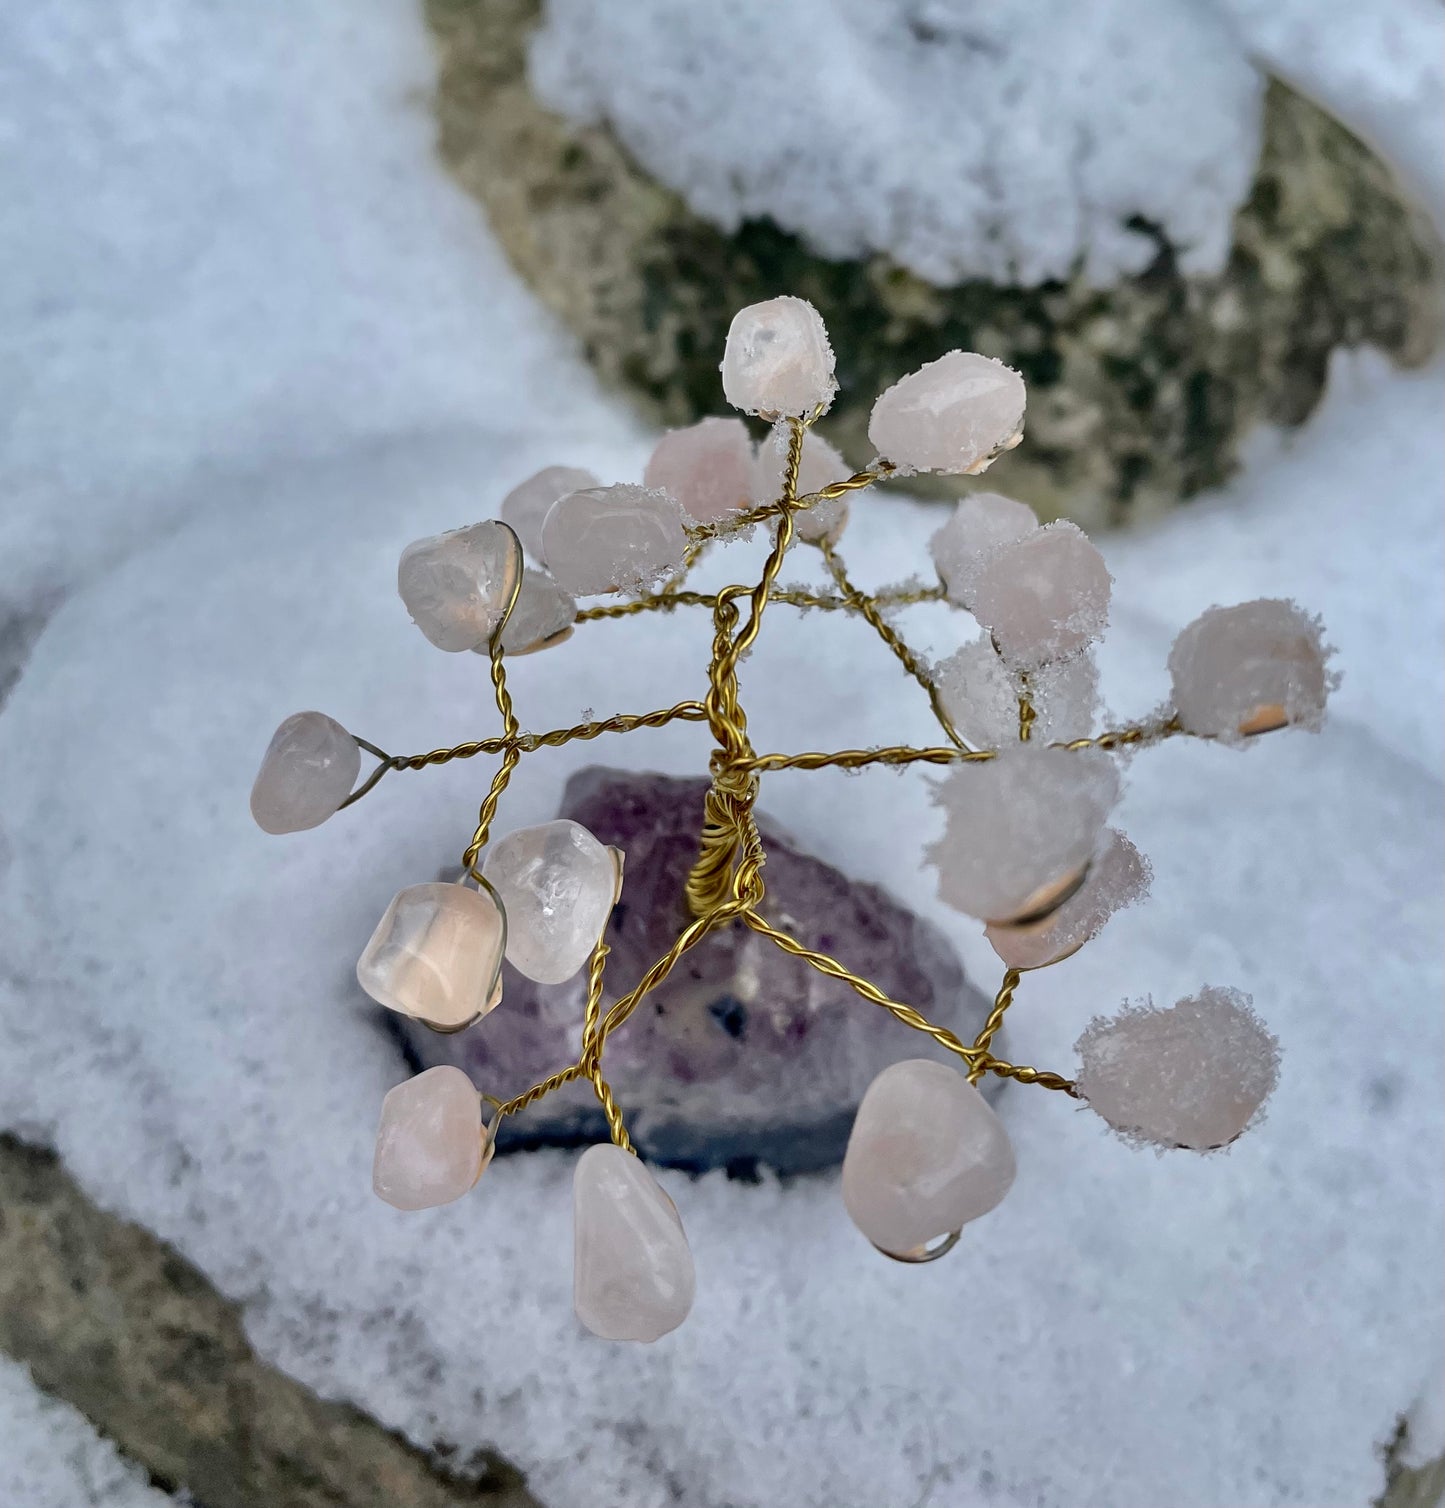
[(543, 615), (979, 696), (633, 1276), (819, 465), (707, 467), (308, 770), (777, 362), (979, 524), (1192, 1075), (926, 1156), (954, 415), (429, 1146), (525, 507), (1118, 877), (614, 539), (1045, 597), (457, 586)]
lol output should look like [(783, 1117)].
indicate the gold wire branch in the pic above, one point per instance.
[(726, 882)]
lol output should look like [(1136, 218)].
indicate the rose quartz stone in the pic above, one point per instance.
[(777, 361), (978, 695), (707, 467), (1045, 597), (1250, 668), (308, 770), (979, 524), (429, 1146), (436, 955), (457, 586), (632, 1270), (526, 506), (1021, 828), (610, 539), (543, 616), (1193, 1075), (1118, 877), (926, 1156), (954, 415), (819, 465), (557, 884)]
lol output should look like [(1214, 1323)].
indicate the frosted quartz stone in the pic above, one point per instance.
[(429, 1146), (543, 615), (926, 1156), (1119, 876), (977, 693), (307, 771), (1044, 597), (456, 586), (777, 361), (956, 414), (437, 955), (1250, 668), (707, 467), (1021, 829), (1193, 1075), (979, 524), (1065, 697), (526, 506), (632, 1268), (819, 465), (557, 884), (610, 539)]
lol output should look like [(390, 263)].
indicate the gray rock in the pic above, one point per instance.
[(1140, 394), (744, 1055)]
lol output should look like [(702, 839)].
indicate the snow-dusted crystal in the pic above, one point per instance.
[(1191, 1075), (308, 770), (1065, 697), (632, 1272), (956, 414), (819, 465), (429, 1146), (926, 1156), (1118, 877), (456, 586), (526, 506), (610, 539), (707, 467), (437, 955), (979, 524), (543, 615), (977, 693), (1021, 829), (777, 361), (557, 884), (1249, 669), (1045, 597)]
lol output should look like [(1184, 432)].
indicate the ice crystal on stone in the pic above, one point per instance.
[(526, 506), (954, 415), (777, 361), (613, 539), (979, 525)]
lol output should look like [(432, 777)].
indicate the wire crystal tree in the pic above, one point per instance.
[(1027, 794)]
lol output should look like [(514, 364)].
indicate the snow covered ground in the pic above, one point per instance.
[(253, 342)]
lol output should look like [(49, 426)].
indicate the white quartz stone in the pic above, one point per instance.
[(979, 524), (1021, 828), (437, 955), (1250, 668), (977, 693), (954, 415), (633, 1275), (429, 1147), (926, 1156), (543, 616), (526, 506), (557, 884), (1193, 1075), (308, 770), (609, 539), (777, 361), (707, 467), (456, 586), (1045, 597), (1119, 876), (819, 465)]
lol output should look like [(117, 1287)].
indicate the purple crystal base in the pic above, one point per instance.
[(744, 1056)]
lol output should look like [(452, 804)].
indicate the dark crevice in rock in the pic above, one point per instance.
[(116, 1323)]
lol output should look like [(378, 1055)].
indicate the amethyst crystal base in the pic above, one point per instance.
[(744, 1056)]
